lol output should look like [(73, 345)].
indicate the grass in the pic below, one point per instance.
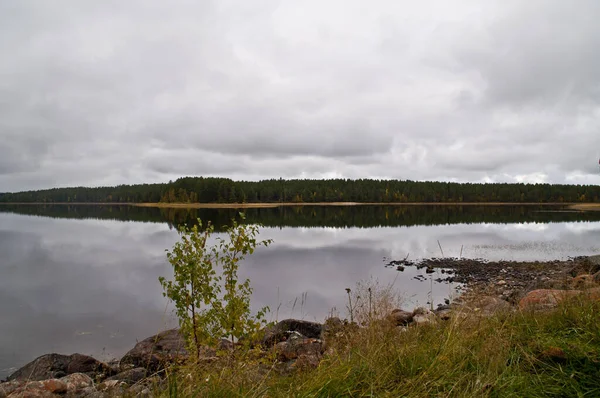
[(555, 354)]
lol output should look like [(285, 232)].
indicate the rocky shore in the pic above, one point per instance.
[(507, 280), (489, 287)]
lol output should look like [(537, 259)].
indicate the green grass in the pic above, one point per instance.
[(554, 354)]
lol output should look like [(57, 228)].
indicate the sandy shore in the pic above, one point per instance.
[(279, 204), (586, 206)]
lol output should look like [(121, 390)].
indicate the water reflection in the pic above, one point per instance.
[(316, 216), (90, 286)]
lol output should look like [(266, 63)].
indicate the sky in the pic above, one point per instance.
[(117, 92)]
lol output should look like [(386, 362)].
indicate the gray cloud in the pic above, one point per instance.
[(137, 91)]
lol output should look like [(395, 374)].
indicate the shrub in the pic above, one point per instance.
[(210, 300)]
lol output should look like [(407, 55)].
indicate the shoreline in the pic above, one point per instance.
[(513, 289), (585, 207), (260, 205)]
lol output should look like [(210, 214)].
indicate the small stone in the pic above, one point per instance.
[(554, 354)]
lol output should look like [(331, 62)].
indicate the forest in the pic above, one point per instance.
[(225, 190)]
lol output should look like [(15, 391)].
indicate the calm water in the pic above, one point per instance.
[(85, 279)]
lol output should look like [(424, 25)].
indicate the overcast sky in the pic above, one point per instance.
[(109, 92)]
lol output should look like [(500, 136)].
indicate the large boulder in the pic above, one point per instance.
[(156, 351), (282, 330), (53, 366), (544, 299)]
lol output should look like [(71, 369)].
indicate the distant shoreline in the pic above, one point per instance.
[(585, 206), (572, 206)]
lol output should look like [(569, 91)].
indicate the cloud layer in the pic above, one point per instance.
[(143, 91)]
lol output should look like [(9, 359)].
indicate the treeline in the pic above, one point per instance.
[(224, 190), (313, 216), (139, 193)]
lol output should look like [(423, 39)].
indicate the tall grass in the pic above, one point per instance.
[(513, 354)]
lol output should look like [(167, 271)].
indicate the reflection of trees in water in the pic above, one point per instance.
[(312, 216)]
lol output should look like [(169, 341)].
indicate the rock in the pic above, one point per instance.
[(422, 316), (593, 293), (421, 311), (444, 314), (543, 299), (87, 392), (33, 394), (77, 381), (296, 346), (306, 361), (583, 281), (332, 327), (7, 388), (52, 366), (156, 351), (488, 305), (280, 332), (594, 259), (109, 384), (40, 388), (299, 352), (554, 354), (400, 317), (112, 388), (130, 376)]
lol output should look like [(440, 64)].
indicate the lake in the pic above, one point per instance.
[(85, 278)]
